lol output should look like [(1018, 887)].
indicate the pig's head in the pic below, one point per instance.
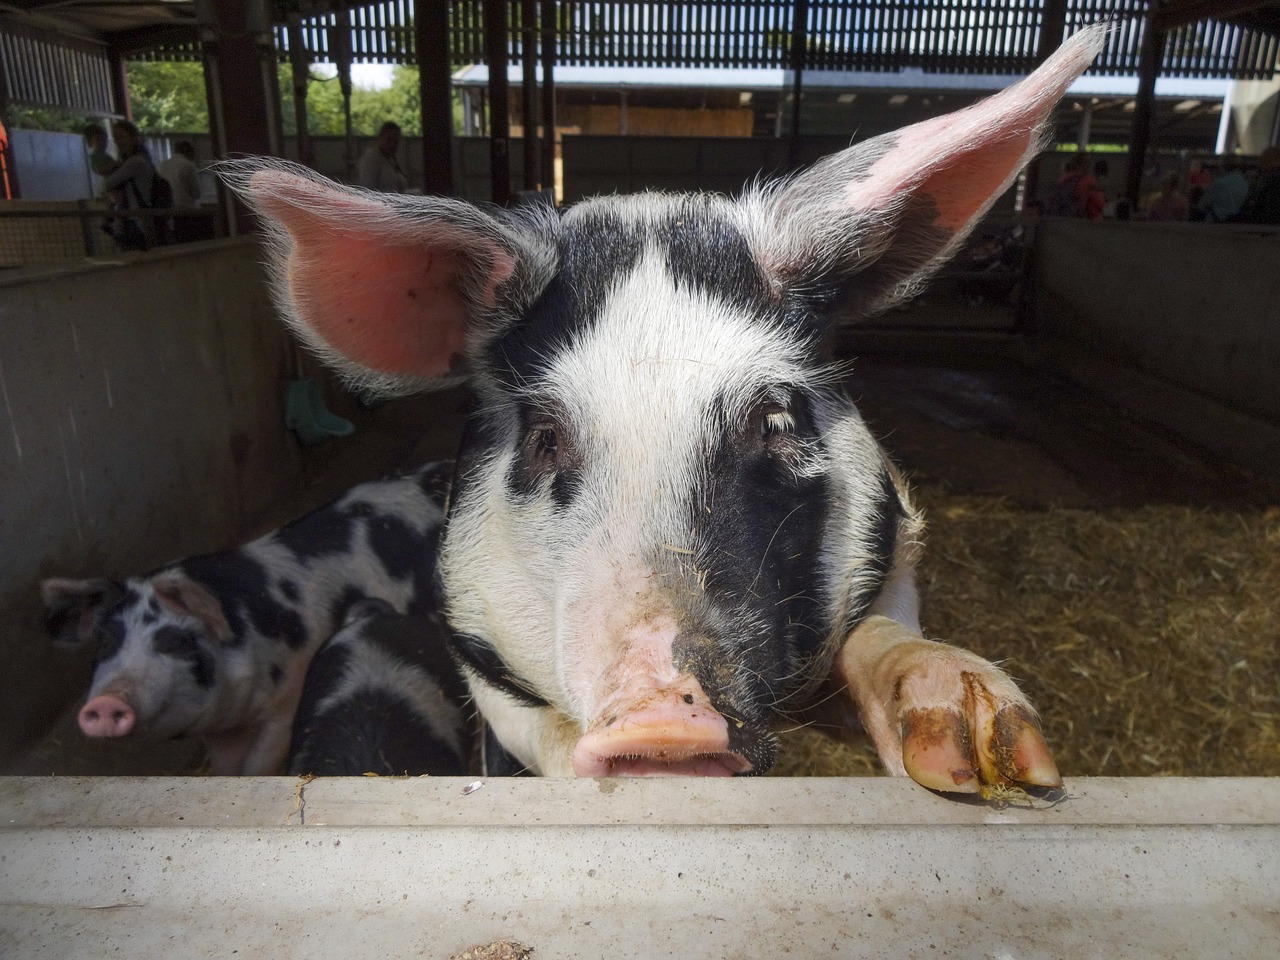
[(158, 645), (667, 513)]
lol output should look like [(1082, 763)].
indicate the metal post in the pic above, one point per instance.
[(1053, 25), (340, 49), (799, 49), (435, 88), (529, 89), (1086, 123), (301, 67), (495, 55), (1140, 134), (548, 94)]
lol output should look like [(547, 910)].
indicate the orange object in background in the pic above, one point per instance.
[(4, 162)]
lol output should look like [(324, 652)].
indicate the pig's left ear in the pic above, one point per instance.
[(182, 595), (871, 223), (393, 291)]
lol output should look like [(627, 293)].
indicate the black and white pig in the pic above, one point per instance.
[(670, 524), (217, 646), (383, 696)]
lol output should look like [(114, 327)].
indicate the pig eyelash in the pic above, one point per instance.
[(781, 421)]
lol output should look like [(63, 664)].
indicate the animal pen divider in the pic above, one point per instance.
[(394, 867)]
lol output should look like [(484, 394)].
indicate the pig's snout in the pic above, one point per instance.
[(107, 716), (672, 733)]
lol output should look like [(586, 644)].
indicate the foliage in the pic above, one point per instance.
[(168, 97), (20, 117)]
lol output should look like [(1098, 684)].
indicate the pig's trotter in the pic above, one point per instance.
[(942, 715)]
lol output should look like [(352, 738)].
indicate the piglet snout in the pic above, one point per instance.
[(107, 716), (671, 733)]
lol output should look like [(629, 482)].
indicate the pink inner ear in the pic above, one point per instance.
[(963, 159), (395, 309), (378, 286)]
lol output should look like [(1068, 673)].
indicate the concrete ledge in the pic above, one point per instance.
[(581, 868)]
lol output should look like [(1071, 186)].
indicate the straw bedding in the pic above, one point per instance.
[(1148, 638)]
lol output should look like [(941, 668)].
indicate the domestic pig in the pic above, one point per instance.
[(382, 695), (670, 525), (217, 646)]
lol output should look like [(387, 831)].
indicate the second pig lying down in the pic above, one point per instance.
[(382, 696), (217, 646)]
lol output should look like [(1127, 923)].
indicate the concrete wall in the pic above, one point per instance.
[(1179, 322), (141, 420)]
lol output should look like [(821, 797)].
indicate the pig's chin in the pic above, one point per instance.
[(661, 765)]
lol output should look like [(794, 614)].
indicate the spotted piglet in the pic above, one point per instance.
[(217, 646), (382, 696), (670, 525)]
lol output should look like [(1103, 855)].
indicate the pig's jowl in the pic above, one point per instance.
[(670, 525)]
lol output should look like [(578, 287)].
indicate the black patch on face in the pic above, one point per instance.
[(707, 252), (184, 644), (289, 590), (546, 456), (596, 252), (320, 533), (396, 545), (760, 528), (276, 673), (110, 635), (884, 538), (485, 663), (240, 584), (749, 735)]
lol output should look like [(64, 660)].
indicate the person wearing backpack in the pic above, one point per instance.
[(183, 178), (136, 179)]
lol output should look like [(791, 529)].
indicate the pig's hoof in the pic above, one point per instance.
[(965, 726)]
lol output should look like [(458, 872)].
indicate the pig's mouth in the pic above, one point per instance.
[(664, 764), (659, 740)]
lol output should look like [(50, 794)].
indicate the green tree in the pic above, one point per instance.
[(168, 97)]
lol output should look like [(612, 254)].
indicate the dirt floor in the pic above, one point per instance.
[(1124, 577)]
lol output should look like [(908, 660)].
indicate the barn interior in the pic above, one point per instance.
[(1095, 436)]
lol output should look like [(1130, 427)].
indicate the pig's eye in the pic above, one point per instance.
[(776, 420), (545, 448), (544, 442)]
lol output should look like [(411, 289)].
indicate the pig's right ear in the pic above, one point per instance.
[(865, 227), (393, 291), (74, 608)]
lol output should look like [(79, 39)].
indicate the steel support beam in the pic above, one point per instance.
[(799, 50), (495, 55), (435, 87), (1053, 24), (548, 94), (241, 84), (301, 65), (1144, 106), (529, 89), (1179, 13)]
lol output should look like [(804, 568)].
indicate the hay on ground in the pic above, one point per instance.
[(1148, 639)]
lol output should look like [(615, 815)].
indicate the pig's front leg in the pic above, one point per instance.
[(947, 718)]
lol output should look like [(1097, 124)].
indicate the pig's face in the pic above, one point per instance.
[(666, 502), (157, 652)]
